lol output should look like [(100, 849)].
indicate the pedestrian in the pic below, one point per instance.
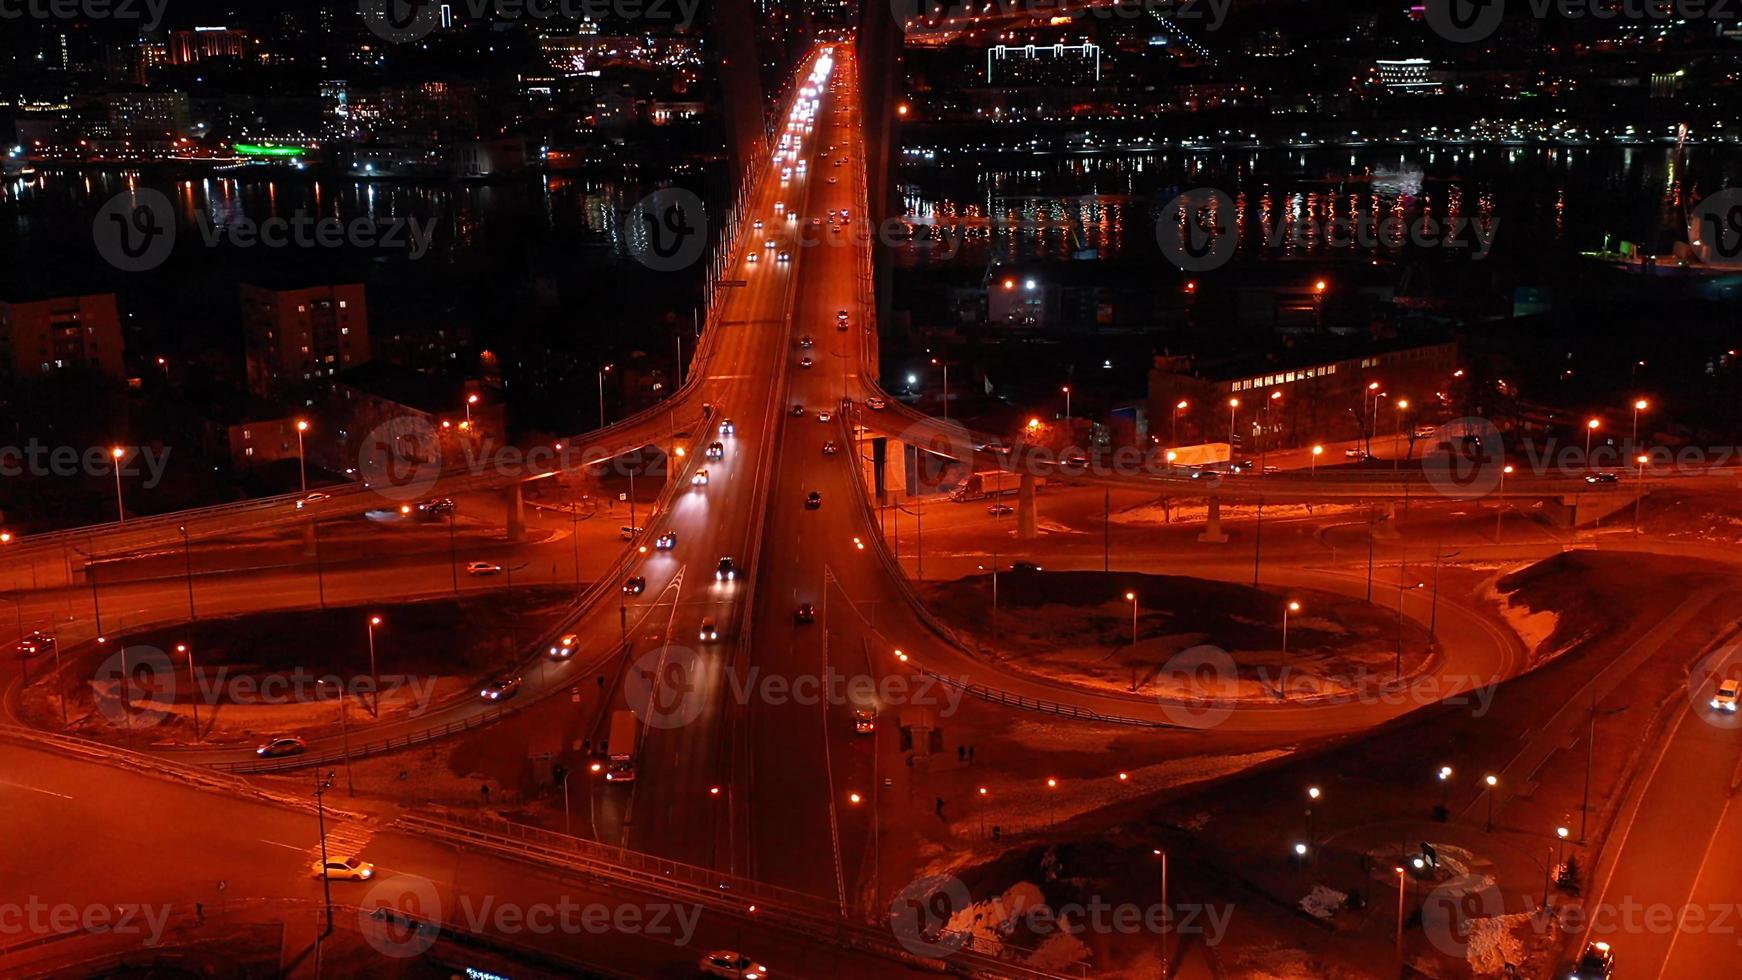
[(961, 753), (940, 807), (970, 754)]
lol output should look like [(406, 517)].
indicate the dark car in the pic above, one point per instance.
[(725, 571), (814, 501), (634, 585), (1602, 479), (500, 689), (806, 613), (797, 411), (1597, 963), (1024, 566), (35, 643)]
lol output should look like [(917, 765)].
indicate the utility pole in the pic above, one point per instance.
[(321, 787)]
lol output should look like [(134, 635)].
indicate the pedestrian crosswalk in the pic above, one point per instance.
[(343, 841)]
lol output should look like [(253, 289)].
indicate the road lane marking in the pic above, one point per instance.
[(279, 843), (34, 789)]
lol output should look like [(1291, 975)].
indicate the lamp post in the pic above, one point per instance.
[(1402, 405), (374, 681), (946, 369), (1178, 408), (1639, 405), (1445, 778), (1592, 426), (345, 735), (1067, 390), (1131, 597), (1401, 589), (1264, 446), (602, 373), (1233, 406), (471, 400), (1402, 881), (1313, 464), (1313, 795), (117, 454), (1560, 847), (1491, 781), (1638, 488), (1366, 414), (1290, 606), (301, 460), (1165, 917)]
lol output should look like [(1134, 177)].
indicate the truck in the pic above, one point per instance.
[(620, 750), (1207, 454), (990, 483)]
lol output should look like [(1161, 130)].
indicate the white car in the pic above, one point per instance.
[(768, 243), (483, 568), (805, 362), (565, 648), (732, 965), (346, 869), (1729, 690), (310, 499), (877, 403), (700, 479), (784, 256), (757, 224), (824, 416), (864, 721), (709, 632), (753, 257)]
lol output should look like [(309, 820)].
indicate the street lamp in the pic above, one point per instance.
[(1067, 390), (1366, 418), (1180, 407), (1491, 780), (946, 369), (117, 454), (1291, 606), (1445, 777), (1158, 852), (1560, 846), (1131, 597), (471, 400), (1402, 405), (1313, 465), (374, 682), (1590, 427), (602, 372), (1638, 488), (1233, 406), (301, 460), (1638, 406)]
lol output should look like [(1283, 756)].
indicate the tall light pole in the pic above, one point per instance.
[(1639, 405), (1638, 488), (1313, 794), (1592, 426), (1290, 606), (1067, 390), (946, 369), (117, 454), (1131, 597), (1366, 417), (1178, 408), (1264, 445), (1491, 781), (1445, 778), (188, 650), (1500, 504), (471, 400), (374, 681), (1233, 406), (602, 372), (1313, 464), (1402, 880), (301, 459), (1165, 918), (1402, 405)]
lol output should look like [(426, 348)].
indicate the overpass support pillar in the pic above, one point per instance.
[(308, 539), (1025, 514), (1385, 521), (1212, 533), (516, 505)]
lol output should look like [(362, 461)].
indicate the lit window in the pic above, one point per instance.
[(249, 451), (344, 304)]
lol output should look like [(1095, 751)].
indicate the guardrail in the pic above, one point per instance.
[(742, 898)]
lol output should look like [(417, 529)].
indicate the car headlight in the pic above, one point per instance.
[(1715, 703)]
